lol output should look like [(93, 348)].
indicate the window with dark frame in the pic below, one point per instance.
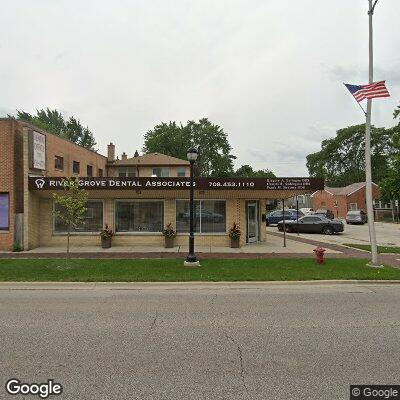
[(59, 163), (100, 173), (209, 216), (139, 216), (4, 211), (161, 172), (76, 167), (89, 170), (181, 171), (127, 172), (92, 221)]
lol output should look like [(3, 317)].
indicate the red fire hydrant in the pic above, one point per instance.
[(319, 254)]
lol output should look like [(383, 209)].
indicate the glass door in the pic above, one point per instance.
[(252, 222)]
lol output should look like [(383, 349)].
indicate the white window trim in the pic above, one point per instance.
[(204, 233), (76, 233), (353, 209), (138, 233)]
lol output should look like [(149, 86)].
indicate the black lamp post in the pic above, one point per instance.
[(191, 259)]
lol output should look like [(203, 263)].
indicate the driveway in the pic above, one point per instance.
[(257, 341), (387, 234)]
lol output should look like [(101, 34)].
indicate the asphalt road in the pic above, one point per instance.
[(255, 342)]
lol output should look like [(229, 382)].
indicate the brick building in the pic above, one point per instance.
[(340, 200), (136, 196)]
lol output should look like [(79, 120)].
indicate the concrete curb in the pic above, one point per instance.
[(198, 285)]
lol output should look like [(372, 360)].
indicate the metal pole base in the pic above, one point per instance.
[(191, 264), (370, 264)]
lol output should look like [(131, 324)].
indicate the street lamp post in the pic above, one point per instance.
[(191, 260)]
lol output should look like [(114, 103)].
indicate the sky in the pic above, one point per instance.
[(270, 73)]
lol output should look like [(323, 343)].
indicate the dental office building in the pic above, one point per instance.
[(136, 195)]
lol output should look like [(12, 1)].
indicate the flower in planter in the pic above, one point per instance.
[(106, 233), (169, 232), (235, 232)]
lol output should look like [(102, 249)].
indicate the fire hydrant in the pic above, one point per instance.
[(319, 254)]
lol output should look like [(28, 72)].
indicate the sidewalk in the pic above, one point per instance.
[(273, 245)]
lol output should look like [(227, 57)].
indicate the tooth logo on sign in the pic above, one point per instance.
[(39, 183)]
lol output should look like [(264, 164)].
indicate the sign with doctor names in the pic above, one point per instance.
[(38, 150)]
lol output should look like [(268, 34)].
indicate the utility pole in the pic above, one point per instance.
[(368, 173)]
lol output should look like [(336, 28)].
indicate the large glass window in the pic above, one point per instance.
[(139, 216), (210, 216), (183, 216), (4, 211), (92, 222)]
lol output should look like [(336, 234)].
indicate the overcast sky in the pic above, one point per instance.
[(269, 72)]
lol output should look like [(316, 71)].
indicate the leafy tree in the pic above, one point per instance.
[(53, 121), (70, 207), (341, 160), (215, 158), (390, 186), (246, 171)]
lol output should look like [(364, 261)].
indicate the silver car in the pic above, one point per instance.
[(356, 217)]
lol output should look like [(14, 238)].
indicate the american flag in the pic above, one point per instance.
[(371, 91)]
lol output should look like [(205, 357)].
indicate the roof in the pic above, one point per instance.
[(346, 190), (152, 159)]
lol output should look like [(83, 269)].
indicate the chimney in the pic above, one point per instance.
[(136, 154), (111, 152), (124, 156)]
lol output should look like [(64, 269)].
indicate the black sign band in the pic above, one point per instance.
[(312, 184)]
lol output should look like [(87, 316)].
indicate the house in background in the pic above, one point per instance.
[(340, 200)]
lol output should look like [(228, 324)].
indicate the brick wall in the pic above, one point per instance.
[(7, 183), (56, 146)]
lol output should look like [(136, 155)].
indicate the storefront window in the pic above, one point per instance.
[(139, 216), (183, 216), (210, 216), (4, 211), (93, 220)]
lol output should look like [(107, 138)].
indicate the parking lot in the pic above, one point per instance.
[(387, 234)]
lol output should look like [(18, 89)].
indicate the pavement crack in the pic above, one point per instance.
[(153, 322), (240, 354)]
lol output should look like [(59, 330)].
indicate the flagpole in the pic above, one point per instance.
[(368, 173)]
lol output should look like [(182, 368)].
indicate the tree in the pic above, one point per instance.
[(390, 186), (53, 121), (341, 160), (215, 158), (70, 207), (246, 171)]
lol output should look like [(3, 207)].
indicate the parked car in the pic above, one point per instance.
[(313, 224), (356, 217), (325, 213), (307, 211), (275, 216)]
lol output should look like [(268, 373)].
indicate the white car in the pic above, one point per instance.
[(307, 211)]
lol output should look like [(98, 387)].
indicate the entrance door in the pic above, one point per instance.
[(252, 222)]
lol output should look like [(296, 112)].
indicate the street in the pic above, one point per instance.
[(387, 234), (205, 341)]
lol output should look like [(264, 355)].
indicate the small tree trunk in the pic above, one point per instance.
[(67, 256)]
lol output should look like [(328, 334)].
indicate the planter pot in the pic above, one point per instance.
[(169, 242), (235, 243), (106, 243)]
